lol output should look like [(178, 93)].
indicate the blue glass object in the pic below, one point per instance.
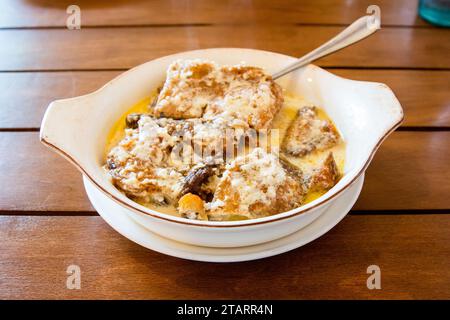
[(435, 11)]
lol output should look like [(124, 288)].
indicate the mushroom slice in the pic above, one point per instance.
[(195, 178), (132, 120)]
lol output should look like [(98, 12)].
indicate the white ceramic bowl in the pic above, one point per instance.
[(364, 112)]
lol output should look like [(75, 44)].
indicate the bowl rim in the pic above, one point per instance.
[(223, 224)]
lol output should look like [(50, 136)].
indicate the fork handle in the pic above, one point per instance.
[(358, 30)]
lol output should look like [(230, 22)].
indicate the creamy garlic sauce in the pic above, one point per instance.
[(284, 118), (292, 103)]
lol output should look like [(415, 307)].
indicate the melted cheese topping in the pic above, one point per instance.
[(259, 183), (166, 180), (271, 177), (199, 88)]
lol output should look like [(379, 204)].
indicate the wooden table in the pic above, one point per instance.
[(400, 223)]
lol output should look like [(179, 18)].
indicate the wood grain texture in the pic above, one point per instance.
[(46, 13), (40, 190), (413, 253), (113, 48), (424, 95), (37, 179), (25, 96), (410, 171)]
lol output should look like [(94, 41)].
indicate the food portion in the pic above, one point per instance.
[(191, 206), (255, 185), (202, 149), (308, 133), (325, 176), (196, 88)]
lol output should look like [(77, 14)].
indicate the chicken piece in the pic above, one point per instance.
[(148, 140), (150, 163), (173, 142), (146, 184), (249, 95), (325, 177), (308, 133), (138, 164), (255, 185), (196, 88), (190, 85)]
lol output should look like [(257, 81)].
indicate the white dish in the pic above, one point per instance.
[(364, 112), (122, 223)]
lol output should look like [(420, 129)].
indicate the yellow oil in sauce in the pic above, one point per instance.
[(117, 131), (281, 122), (287, 114), (167, 209)]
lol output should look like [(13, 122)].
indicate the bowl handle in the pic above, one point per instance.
[(62, 126)]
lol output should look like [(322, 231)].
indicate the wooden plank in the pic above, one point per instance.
[(25, 96), (412, 251), (121, 48), (424, 95), (410, 171), (121, 12), (36, 179)]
